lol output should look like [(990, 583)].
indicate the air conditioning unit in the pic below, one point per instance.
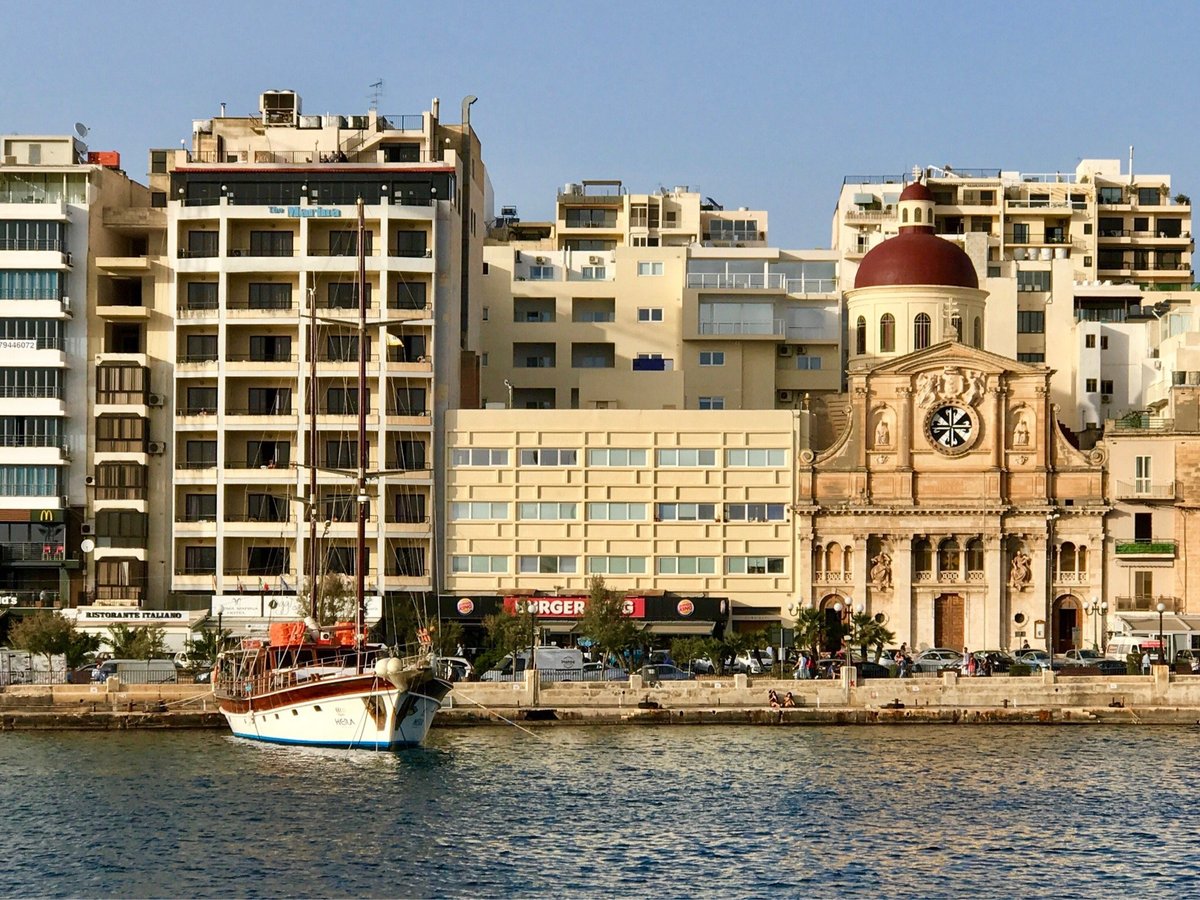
[(786, 350), (87, 528), (89, 480), (784, 396), (154, 399), (595, 260), (66, 302), (1105, 398), (541, 260), (156, 448)]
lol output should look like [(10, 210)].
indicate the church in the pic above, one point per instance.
[(951, 505)]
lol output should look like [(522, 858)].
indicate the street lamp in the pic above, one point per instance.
[(840, 608), (1162, 608), (1099, 609), (1050, 519)]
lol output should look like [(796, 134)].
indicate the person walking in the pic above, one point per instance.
[(1145, 662)]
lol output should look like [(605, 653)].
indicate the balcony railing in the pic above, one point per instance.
[(285, 410), (43, 392), (1162, 490), (1155, 547), (33, 551), (16, 244), (1149, 603), (773, 328), (32, 440), (771, 281), (278, 252), (253, 358)]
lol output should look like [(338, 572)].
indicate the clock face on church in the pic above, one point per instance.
[(951, 428)]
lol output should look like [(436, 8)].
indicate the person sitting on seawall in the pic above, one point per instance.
[(773, 699), (789, 702)]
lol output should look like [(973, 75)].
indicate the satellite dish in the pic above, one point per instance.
[(81, 129), (87, 545)]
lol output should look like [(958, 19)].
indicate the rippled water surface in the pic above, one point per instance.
[(633, 811)]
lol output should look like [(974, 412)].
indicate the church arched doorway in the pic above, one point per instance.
[(949, 621), (834, 624), (1066, 623)]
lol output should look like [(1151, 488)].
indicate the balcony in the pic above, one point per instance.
[(870, 215), (758, 281), (123, 266), (1149, 603), (1149, 549), (1144, 490), (771, 329), (33, 553)]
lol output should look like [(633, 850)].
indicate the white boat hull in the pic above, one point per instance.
[(361, 712)]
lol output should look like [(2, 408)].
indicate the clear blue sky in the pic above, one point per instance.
[(765, 105)]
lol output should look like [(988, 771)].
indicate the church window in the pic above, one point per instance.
[(860, 336), (922, 556), (956, 326), (948, 559), (887, 333), (921, 331), (917, 214), (977, 333), (975, 555), (904, 216)]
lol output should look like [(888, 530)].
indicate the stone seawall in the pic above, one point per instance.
[(1049, 698)]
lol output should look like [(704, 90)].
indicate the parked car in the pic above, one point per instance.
[(664, 672), (935, 659), (703, 666), (1083, 657), (598, 671), (454, 668)]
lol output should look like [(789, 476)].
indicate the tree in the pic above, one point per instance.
[(684, 650), (870, 633), (202, 650), (48, 634), (606, 623), (810, 628), (335, 599), (143, 642), (447, 638), (507, 633)]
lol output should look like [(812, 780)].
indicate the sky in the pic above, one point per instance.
[(764, 105)]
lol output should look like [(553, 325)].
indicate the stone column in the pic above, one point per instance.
[(999, 400), (997, 615), (904, 430), (860, 572), (804, 561), (900, 620)]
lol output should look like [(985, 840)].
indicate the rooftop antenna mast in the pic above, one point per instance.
[(376, 93)]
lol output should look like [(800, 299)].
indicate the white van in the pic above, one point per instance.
[(561, 663)]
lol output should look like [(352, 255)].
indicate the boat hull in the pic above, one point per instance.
[(355, 712)]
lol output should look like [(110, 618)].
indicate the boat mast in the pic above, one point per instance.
[(360, 570), (314, 586)]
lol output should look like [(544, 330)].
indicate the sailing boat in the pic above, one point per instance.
[(329, 687)]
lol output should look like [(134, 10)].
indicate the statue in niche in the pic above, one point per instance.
[(881, 571), (883, 434), (1019, 575), (1021, 433)]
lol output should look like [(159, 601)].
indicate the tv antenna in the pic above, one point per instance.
[(376, 93)]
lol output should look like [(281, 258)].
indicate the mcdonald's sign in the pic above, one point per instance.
[(46, 515)]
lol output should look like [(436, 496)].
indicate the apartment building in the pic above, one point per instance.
[(668, 301), (261, 236), (67, 302), (1053, 251)]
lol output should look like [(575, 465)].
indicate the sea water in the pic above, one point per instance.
[(661, 811)]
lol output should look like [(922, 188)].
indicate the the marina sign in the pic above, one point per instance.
[(567, 607), (306, 212)]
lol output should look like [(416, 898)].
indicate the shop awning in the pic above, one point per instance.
[(701, 628)]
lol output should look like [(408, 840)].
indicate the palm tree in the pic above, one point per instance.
[(870, 633), (810, 628)]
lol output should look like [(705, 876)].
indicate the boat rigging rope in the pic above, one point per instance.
[(492, 712)]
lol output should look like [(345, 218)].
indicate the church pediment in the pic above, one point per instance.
[(956, 355)]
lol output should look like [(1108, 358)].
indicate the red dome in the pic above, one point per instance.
[(916, 257), (916, 191)]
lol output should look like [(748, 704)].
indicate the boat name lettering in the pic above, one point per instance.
[(343, 721)]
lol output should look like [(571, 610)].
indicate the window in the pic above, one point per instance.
[(200, 455), (344, 295), (1141, 474), (687, 565), (1143, 527), (754, 565), (269, 401), (975, 555), (756, 458), (29, 481), (549, 457), (199, 560), (1033, 281), (1149, 196), (1089, 341), (1089, 385), (593, 273), (712, 403), (754, 512), (1020, 233), (616, 456), (650, 314), (269, 295), (650, 268), (409, 295), (479, 456), (1104, 342), (344, 242), (1109, 195), (551, 511), (200, 508), (121, 434), (686, 458), (479, 509), (685, 512), (121, 384), (201, 244), (202, 295), (860, 336), (956, 327), (268, 454), (616, 565), (616, 512), (1106, 386), (921, 331), (266, 560), (200, 401), (977, 333), (1143, 584), (949, 555), (808, 363), (343, 402), (1031, 357), (270, 243), (411, 244), (586, 309), (887, 333), (408, 507), (1031, 321), (541, 273), (479, 565), (548, 565), (200, 348), (712, 357), (270, 348), (266, 508)]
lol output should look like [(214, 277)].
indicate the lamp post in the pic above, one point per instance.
[(1099, 610), (1161, 608), (840, 609), (1050, 520)]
